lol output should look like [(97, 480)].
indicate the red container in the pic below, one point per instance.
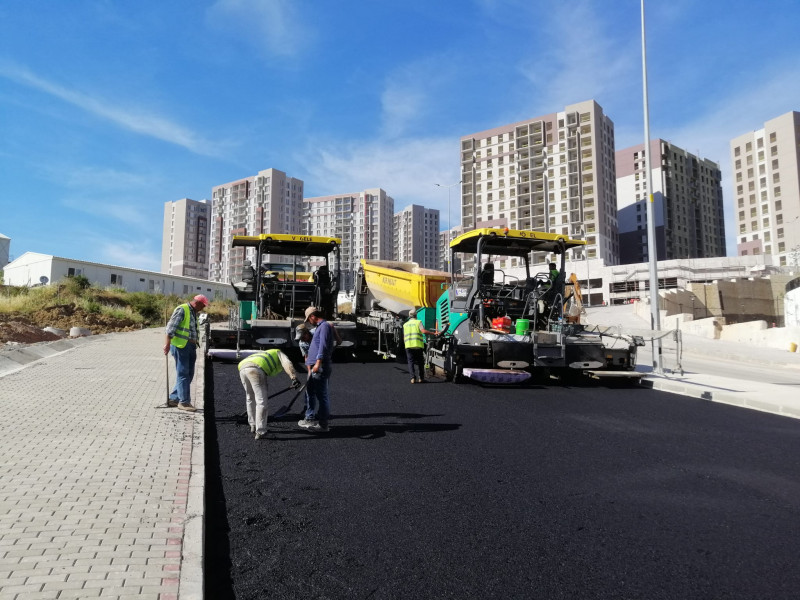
[(502, 324)]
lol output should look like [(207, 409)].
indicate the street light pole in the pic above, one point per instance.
[(449, 224), (655, 318)]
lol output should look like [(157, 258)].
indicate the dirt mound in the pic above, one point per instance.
[(29, 329), (24, 333)]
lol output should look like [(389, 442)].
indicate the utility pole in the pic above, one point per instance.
[(655, 318)]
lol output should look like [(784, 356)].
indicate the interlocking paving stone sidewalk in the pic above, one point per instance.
[(95, 479)]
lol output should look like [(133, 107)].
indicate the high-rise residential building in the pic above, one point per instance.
[(445, 237), (270, 202), (184, 241), (687, 204), (5, 247), (362, 220), (553, 173), (416, 236), (766, 181)]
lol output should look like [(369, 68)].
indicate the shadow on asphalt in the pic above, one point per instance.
[(216, 556), (364, 432)]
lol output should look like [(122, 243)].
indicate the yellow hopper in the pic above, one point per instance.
[(402, 286)]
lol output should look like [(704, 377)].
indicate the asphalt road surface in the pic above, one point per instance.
[(454, 491)]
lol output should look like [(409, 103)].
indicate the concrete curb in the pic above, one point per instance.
[(742, 399), (191, 578), (13, 357)]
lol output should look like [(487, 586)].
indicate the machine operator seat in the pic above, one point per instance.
[(248, 272), (487, 274)]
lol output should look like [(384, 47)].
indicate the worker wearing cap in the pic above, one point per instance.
[(303, 339), (253, 372), (181, 341), (412, 339), (319, 363)]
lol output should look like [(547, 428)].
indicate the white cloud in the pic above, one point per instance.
[(583, 62), (123, 253), (274, 27), (709, 135), (411, 90), (401, 105), (407, 169), (144, 123)]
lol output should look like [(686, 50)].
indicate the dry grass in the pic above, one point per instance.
[(141, 308)]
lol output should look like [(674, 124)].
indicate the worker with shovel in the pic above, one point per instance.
[(253, 371)]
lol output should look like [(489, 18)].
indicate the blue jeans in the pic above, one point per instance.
[(184, 369), (318, 403)]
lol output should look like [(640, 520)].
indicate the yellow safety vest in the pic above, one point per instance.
[(269, 361), (181, 336), (412, 336)]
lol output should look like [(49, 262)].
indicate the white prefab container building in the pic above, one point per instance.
[(33, 269)]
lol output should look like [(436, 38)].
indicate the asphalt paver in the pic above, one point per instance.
[(440, 490)]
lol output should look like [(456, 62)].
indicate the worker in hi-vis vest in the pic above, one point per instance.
[(182, 341), (412, 339), (253, 371)]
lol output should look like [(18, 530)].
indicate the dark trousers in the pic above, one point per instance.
[(416, 356)]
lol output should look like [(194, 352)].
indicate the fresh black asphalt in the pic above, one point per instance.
[(455, 491)]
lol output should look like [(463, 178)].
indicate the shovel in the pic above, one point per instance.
[(285, 409)]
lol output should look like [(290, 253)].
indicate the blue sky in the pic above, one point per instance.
[(108, 109)]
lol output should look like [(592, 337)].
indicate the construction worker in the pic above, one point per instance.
[(253, 371), (554, 272), (319, 362), (181, 341), (412, 338)]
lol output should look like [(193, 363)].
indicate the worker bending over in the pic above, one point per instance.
[(253, 371)]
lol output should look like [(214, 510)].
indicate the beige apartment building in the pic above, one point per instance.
[(185, 238), (766, 182), (445, 237), (363, 221), (687, 204), (416, 236), (270, 202), (553, 173)]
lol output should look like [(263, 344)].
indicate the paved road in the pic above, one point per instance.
[(447, 491)]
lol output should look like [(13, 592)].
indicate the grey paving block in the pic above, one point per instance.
[(70, 524)]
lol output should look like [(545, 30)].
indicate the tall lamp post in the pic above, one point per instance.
[(655, 318), (449, 224), (584, 234)]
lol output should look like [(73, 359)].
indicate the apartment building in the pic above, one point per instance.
[(766, 181), (185, 238), (363, 221), (269, 202), (416, 236), (5, 250), (445, 237), (553, 173), (687, 204)]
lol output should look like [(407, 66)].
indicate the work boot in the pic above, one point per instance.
[(187, 406)]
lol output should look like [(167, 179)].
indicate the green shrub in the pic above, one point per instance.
[(74, 286), (150, 306)]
